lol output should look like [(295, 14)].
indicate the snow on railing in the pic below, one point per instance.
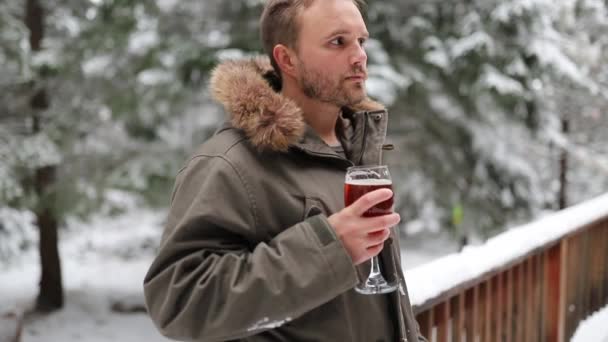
[(535, 280)]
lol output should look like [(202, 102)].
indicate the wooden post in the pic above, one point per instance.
[(573, 268), (537, 312), (563, 290), (472, 309), (509, 321), (554, 301), (521, 304), (596, 267), (604, 295), (488, 308), (500, 306), (542, 282), (604, 229), (425, 319), (459, 309), (481, 311), (442, 319), (584, 276), (529, 302)]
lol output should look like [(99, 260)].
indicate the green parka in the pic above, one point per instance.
[(248, 253)]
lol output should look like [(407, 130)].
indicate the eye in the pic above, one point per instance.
[(337, 41), (362, 41)]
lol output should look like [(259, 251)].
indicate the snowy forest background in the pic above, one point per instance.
[(498, 110)]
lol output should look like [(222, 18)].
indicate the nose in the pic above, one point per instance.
[(359, 56)]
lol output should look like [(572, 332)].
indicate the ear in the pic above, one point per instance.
[(286, 59)]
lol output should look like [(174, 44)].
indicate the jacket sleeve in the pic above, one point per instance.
[(211, 282)]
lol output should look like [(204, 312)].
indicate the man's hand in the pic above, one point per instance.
[(363, 237)]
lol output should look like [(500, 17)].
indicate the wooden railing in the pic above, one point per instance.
[(540, 296)]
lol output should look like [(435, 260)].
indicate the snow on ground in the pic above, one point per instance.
[(593, 329), (105, 264), (87, 317)]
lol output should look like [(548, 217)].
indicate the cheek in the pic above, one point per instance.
[(322, 67), (326, 62), (330, 69)]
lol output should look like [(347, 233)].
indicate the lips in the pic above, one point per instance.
[(361, 77)]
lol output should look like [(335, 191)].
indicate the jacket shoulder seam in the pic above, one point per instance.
[(246, 186), (222, 154), (248, 190)]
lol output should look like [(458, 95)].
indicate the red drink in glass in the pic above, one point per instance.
[(356, 188)]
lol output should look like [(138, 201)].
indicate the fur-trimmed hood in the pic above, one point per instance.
[(270, 120)]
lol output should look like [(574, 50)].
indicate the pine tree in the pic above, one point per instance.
[(97, 102), (473, 118)]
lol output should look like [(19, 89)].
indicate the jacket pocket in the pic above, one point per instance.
[(312, 207)]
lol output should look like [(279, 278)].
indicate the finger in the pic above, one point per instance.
[(369, 200), (377, 230), (378, 237), (372, 224), (375, 250)]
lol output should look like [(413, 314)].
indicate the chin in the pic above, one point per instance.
[(358, 96), (353, 101)]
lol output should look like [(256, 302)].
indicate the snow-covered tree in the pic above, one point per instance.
[(93, 100), (114, 97), (473, 116)]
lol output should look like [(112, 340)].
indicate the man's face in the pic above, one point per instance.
[(332, 64)]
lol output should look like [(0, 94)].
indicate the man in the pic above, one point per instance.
[(258, 245)]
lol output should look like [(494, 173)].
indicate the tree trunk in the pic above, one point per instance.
[(563, 169), (50, 296)]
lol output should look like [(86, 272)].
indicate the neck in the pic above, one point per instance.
[(321, 116)]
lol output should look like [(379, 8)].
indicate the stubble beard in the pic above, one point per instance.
[(318, 86)]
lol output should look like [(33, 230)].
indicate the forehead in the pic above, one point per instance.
[(326, 16)]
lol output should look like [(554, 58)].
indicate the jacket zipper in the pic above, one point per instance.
[(401, 321), (402, 326), (365, 117)]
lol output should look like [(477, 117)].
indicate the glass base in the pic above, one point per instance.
[(378, 285)]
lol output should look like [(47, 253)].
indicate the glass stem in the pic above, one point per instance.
[(375, 269)]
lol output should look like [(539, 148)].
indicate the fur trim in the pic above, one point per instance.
[(270, 120)]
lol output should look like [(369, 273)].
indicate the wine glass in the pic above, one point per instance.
[(359, 181)]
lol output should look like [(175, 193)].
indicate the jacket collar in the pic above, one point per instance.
[(272, 122)]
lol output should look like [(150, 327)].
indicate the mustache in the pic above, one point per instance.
[(358, 71)]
